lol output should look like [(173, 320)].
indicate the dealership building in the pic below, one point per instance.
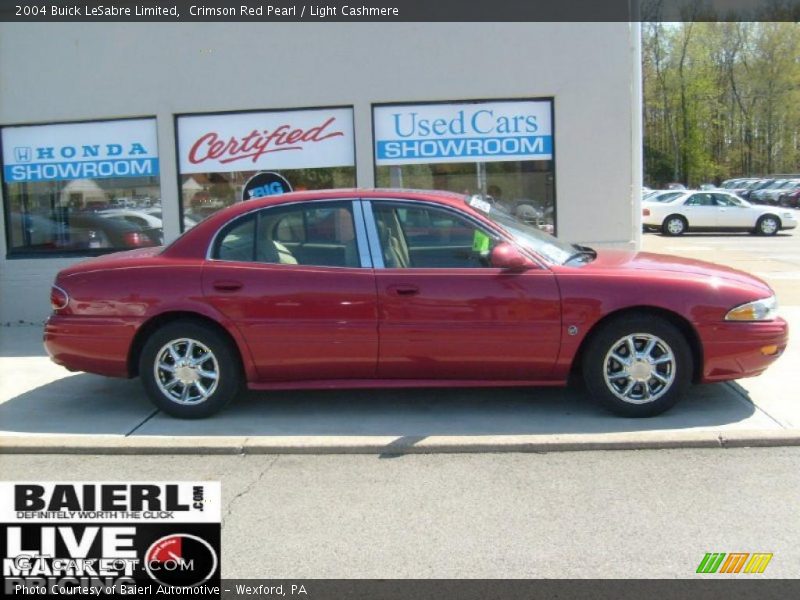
[(118, 136)]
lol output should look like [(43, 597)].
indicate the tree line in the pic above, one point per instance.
[(721, 100)]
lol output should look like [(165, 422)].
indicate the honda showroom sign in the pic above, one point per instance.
[(121, 148), (464, 132), (254, 141)]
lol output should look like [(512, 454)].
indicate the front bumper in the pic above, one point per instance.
[(732, 350)]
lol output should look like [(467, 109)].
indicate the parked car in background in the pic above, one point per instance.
[(394, 288), (713, 211), (790, 199), (136, 216), (79, 231), (757, 187), (188, 220), (676, 186), (773, 196), (147, 218), (741, 187), (769, 195)]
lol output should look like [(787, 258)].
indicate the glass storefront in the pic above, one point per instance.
[(310, 148), (81, 188), (500, 149), (93, 187)]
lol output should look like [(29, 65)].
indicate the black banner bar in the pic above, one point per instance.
[(277, 11), (711, 587), (512, 589)]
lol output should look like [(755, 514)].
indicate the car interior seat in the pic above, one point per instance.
[(346, 235), (395, 252)]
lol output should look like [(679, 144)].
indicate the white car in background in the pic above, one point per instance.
[(713, 211), (146, 218), (132, 215)]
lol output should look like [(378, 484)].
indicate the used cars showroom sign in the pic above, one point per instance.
[(255, 141), (463, 132)]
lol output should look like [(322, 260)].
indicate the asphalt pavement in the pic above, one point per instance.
[(634, 514)]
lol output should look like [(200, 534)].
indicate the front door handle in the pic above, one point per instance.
[(403, 290), (227, 285)]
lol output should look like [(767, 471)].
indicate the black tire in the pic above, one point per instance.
[(674, 225), (768, 225), (222, 360), (598, 362)]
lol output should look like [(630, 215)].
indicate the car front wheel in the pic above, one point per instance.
[(637, 366), (190, 370), (768, 225)]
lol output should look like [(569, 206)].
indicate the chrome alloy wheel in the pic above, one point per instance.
[(769, 225), (186, 371), (675, 226), (639, 368)]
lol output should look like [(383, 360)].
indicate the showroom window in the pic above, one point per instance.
[(219, 153), (81, 188), (500, 149)]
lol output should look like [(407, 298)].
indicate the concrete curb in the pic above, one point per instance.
[(119, 445)]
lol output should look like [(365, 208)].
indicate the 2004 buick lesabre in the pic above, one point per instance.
[(392, 288)]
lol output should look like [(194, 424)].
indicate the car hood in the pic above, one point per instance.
[(116, 259), (650, 262)]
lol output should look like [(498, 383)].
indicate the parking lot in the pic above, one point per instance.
[(41, 401), (775, 259)]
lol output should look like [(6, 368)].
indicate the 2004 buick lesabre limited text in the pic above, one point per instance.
[(105, 10), (397, 288)]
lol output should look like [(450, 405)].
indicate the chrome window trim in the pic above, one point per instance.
[(372, 228), (372, 235), (362, 242), (352, 201)]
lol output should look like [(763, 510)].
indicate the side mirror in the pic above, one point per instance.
[(507, 256)]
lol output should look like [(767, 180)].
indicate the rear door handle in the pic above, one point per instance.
[(403, 290), (227, 286)]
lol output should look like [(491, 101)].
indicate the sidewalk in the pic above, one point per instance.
[(44, 408)]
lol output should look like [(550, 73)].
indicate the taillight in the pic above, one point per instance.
[(646, 212), (134, 239), (58, 298)]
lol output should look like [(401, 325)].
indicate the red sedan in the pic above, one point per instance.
[(355, 288)]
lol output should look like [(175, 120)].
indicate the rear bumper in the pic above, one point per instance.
[(734, 350), (92, 344)]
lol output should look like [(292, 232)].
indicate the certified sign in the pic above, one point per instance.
[(125, 148), (255, 141), (477, 132)]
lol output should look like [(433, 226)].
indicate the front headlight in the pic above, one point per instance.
[(765, 309)]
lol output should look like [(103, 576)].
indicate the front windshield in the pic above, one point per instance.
[(545, 245)]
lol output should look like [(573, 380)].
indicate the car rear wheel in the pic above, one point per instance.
[(674, 225), (190, 370), (637, 366), (768, 225)]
